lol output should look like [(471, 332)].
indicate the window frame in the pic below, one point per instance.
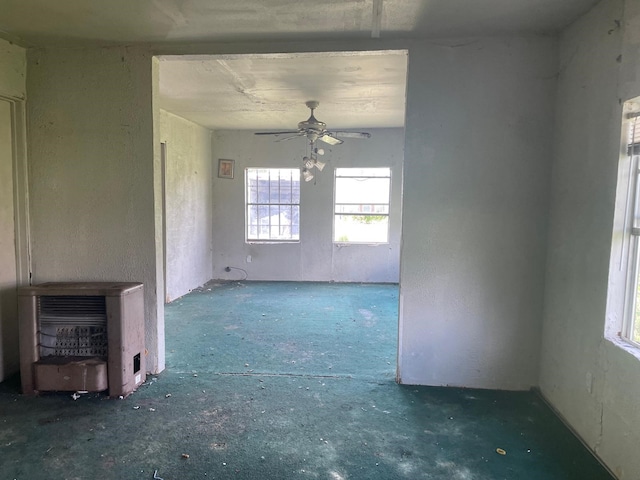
[(632, 233), (295, 175), (387, 204)]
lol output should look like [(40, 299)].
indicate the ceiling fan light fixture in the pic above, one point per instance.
[(318, 164), (307, 175), (307, 163)]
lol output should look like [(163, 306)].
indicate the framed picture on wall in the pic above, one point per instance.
[(225, 168)]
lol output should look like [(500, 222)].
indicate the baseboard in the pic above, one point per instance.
[(546, 401)]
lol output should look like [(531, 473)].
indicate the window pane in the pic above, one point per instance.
[(295, 222), (363, 209), (362, 190), (252, 215), (276, 195), (295, 191), (363, 229), (362, 205), (263, 214), (274, 192), (634, 333), (252, 192), (634, 330)]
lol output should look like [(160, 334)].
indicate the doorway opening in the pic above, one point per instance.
[(211, 107)]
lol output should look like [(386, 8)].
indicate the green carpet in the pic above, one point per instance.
[(285, 328), (273, 380)]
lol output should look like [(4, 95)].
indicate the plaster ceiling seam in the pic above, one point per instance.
[(238, 83), (176, 16)]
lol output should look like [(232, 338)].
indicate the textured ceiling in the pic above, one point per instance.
[(40, 22), (355, 90), (269, 91)]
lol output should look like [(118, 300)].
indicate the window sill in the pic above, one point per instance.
[(625, 345), (271, 242), (359, 244)]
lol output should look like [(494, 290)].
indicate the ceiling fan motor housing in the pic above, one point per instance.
[(314, 129), (312, 124)]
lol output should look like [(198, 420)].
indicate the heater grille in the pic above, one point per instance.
[(82, 336), (72, 326)]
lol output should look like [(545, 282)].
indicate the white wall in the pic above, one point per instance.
[(91, 157), (477, 162), (315, 257), (188, 204), (592, 382), (477, 153), (13, 63), (12, 88)]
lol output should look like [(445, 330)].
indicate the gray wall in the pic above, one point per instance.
[(12, 89), (13, 63), (590, 379), (9, 358), (188, 204), (477, 152), (91, 159), (315, 257), (477, 162)]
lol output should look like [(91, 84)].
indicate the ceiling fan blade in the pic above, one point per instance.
[(278, 133), (351, 134), (289, 137), (326, 138)]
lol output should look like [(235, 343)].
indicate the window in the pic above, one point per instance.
[(361, 213), (273, 204), (631, 325)]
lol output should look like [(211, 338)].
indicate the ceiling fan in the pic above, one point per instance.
[(314, 129)]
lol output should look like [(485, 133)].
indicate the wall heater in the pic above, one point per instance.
[(82, 337)]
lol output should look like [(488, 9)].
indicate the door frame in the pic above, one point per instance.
[(20, 189)]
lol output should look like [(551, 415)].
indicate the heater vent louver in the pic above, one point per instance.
[(72, 325), (72, 307), (85, 336)]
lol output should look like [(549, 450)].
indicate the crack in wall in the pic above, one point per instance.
[(602, 388), (600, 433)]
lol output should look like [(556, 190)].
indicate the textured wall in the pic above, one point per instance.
[(475, 196), (13, 63), (593, 382), (188, 204), (91, 156), (315, 257), (9, 358), (477, 162), (12, 84)]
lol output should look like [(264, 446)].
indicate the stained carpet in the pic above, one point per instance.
[(277, 380)]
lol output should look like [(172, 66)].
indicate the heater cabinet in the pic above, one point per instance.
[(82, 337)]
